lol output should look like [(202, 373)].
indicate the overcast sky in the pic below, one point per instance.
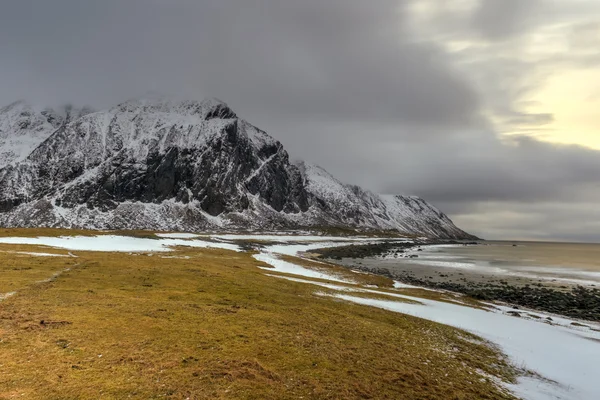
[(490, 109)]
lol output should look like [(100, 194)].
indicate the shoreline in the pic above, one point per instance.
[(535, 293)]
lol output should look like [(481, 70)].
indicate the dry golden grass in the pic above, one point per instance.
[(35, 232), (18, 271), (214, 326)]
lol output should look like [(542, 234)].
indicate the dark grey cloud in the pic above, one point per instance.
[(524, 170), (354, 86), (540, 220), (332, 59)]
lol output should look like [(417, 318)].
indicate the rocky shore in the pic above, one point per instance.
[(572, 301), (355, 251), (578, 302)]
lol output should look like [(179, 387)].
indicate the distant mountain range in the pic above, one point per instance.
[(163, 164)]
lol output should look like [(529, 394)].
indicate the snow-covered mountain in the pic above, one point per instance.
[(178, 165), (24, 127), (351, 205)]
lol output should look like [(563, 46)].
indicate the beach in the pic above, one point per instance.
[(563, 278)]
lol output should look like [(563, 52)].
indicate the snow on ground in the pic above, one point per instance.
[(37, 254), (296, 249), (564, 355), (198, 243), (290, 268), (341, 288), (115, 243), (92, 243), (177, 235), (285, 238), (29, 253), (567, 356), (4, 296), (270, 255), (178, 257), (322, 284), (400, 285), (561, 353)]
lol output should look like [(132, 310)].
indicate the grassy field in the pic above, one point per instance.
[(209, 324)]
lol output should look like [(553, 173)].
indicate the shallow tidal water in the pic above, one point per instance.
[(552, 264)]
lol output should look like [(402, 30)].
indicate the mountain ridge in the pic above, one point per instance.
[(184, 165), (24, 127)]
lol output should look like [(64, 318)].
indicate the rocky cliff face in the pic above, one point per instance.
[(169, 165)]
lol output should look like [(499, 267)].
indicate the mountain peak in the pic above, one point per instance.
[(156, 103), (20, 108), (14, 106), (22, 128), (215, 108)]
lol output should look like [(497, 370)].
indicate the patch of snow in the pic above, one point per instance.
[(177, 235), (566, 356), (322, 284), (179, 257), (340, 288), (115, 243), (6, 295), (290, 268), (92, 243), (199, 243), (293, 238), (400, 285), (40, 254), (270, 254)]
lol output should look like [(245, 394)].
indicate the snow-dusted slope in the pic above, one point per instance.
[(24, 127), (352, 206), (179, 165)]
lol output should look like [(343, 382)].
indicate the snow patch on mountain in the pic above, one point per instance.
[(23, 127), (353, 206)]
